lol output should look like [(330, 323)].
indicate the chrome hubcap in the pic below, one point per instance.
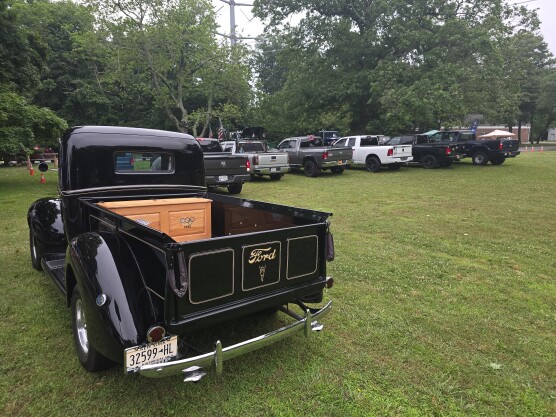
[(33, 248), (81, 326)]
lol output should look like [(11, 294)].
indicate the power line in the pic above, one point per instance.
[(233, 37)]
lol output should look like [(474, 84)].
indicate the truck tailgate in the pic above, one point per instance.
[(272, 160), (510, 145), (225, 164), (340, 154), (235, 275), (402, 151)]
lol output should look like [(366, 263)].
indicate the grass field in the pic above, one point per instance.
[(444, 305)]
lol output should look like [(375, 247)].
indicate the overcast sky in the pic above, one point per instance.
[(246, 25)]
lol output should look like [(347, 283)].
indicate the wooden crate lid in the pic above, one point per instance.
[(153, 202)]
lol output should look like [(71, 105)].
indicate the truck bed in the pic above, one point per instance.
[(249, 255)]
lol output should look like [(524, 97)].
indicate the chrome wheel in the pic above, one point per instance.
[(35, 258), (88, 356), (480, 158), (81, 327)]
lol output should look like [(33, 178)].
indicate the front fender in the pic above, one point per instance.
[(45, 222), (104, 264)]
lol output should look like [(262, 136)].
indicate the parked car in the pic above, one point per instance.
[(310, 154), (494, 150), (368, 152), (429, 155), (328, 137), (273, 164), (144, 257), (222, 169)]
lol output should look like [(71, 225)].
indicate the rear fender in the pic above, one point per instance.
[(103, 264), (44, 218), (310, 158)]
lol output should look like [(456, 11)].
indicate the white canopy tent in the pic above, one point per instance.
[(498, 134)]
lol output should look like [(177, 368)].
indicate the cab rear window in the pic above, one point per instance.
[(143, 162)]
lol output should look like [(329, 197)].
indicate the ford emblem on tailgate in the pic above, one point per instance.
[(261, 265)]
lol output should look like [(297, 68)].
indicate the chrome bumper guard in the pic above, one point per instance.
[(332, 164), (191, 367), (268, 170)]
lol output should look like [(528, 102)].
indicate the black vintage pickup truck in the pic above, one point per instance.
[(145, 255)]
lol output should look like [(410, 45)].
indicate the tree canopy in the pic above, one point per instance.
[(393, 65), (364, 66)]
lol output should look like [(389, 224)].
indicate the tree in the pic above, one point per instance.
[(21, 53), (173, 44), (545, 105), (22, 125), (397, 65), (527, 60)]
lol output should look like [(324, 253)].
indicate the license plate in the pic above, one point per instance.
[(340, 162), (403, 158), (158, 352), (273, 170), (222, 178)]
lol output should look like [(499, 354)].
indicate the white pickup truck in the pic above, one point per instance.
[(273, 164), (368, 152)]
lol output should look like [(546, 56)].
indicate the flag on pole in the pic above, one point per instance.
[(221, 130)]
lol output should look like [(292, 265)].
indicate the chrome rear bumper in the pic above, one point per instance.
[(190, 367)]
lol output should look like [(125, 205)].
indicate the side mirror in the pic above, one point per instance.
[(43, 167)]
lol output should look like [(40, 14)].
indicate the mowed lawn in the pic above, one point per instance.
[(444, 305)]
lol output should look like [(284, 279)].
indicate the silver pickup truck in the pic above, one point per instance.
[(273, 164), (307, 152)]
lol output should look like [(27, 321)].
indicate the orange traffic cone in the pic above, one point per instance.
[(526, 149), (43, 179), (542, 148), (532, 149), (31, 170)]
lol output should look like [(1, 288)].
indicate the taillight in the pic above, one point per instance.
[(390, 152), (248, 165), (156, 334), (500, 146), (325, 155), (448, 150)]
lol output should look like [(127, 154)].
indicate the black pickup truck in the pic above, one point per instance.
[(145, 255), (481, 151), (429, 155), (223, 169)]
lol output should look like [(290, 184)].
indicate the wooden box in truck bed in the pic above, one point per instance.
[(183, 219)]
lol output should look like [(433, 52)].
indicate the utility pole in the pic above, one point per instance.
[(232, 36)]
